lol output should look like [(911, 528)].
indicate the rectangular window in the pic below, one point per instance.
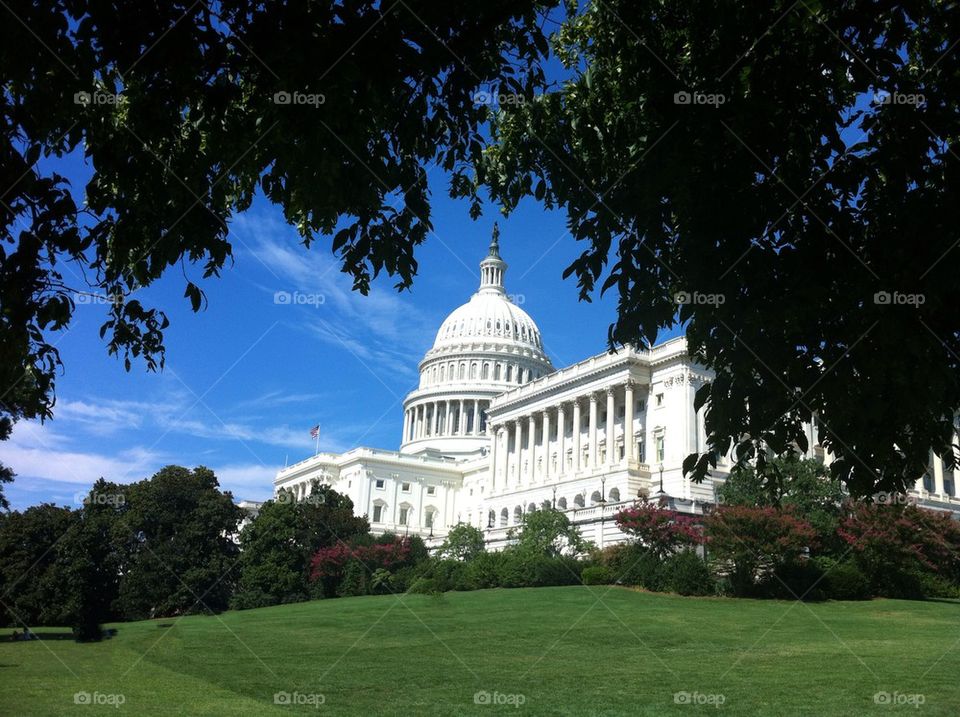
[(641, 406), (379, 483), (405, 487), (377, 513), (431, 490), (660, 448), (430, 519), (403, 516), (659, 399)]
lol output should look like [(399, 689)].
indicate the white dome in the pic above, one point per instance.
[(483, 348), (489, 318)]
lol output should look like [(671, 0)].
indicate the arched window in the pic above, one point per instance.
[(509, 373), (615, 495), (486, 371), (379, 511), (578, 500), (545, 505), (429, 517), (595, 497), (504, 517), (562, 503), (491, 518), (473, 370), (496, 372), (442, 373), (463, 370), (531, 507), (517, 515)]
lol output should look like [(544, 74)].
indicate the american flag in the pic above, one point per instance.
[(315, 431)]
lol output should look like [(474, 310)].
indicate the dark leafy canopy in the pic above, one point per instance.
[(782, 184), (175, 107)]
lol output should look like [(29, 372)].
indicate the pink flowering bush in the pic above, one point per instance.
[(660, 530)]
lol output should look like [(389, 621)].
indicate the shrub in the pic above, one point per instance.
[(936, 586), (685, 573), (483, 571), (597, 575), (624, 562), (354, 580), (748, 542), (844, 581), (661, 530), (796, 579), (425, 586)]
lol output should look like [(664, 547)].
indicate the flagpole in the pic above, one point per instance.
[(317, 451)]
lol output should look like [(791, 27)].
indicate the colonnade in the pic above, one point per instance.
[(536, 446), (444, 417)]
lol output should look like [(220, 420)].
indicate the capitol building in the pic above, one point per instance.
[(494, 430)]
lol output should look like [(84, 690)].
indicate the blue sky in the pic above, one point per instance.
[(247, 378)]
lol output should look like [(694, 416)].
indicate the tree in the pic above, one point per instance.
[(802, 484), (334, 111), (750, 542), (548, 532), (277, 546), (88, 562), (660, 530), (463, 542), (783, 181), (30, 583), (178, 552), (894, 542)]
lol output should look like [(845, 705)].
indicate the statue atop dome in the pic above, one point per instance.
[(493, 267), (495, 242)]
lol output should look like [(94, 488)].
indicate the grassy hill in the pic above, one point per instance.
[(558, 651)]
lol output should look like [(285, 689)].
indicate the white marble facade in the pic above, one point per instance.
[(493, 431)]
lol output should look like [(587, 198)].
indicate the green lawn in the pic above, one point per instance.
[(559, 651)]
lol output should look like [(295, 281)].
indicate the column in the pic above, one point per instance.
[(513, 449), (628, 438), (937, 465), (462, 427), (476, 417), (531, 457), (592, 435), (504, 435), (436, 418), (493, 433), (577, 421), (561, 442), (406, 423), (416, 422), (545, 452), (611, 438)]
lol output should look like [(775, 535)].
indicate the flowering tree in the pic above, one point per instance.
[(661, 530), (329, 565), (754, 540), (892, 540)]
